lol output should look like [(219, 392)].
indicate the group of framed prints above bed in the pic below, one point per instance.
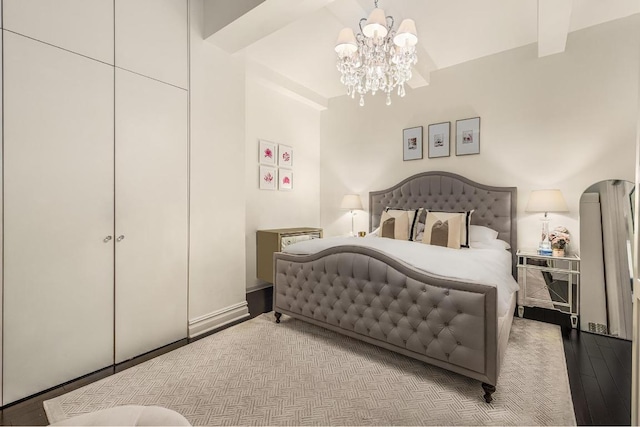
[(438, 138), (276, 161)]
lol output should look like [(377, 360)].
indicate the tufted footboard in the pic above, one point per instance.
[(368, 295)]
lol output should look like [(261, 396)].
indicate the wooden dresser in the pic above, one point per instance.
[(270, 241)]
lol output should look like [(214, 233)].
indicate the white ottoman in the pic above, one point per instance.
[(130, 415)]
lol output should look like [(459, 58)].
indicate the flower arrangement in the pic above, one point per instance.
[(559, 237)]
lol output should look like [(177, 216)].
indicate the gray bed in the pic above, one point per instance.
[(369, 295)]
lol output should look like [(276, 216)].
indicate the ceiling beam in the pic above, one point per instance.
[(423, 68), (220, 13), (285, 86), (264, 19), (554, 18)]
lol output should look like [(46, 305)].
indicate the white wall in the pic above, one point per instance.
[(217, 179), (563, 121), (275, 117)]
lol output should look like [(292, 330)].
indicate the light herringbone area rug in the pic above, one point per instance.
[(294, 373)]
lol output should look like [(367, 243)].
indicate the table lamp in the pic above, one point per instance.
[(351, 202), (546, 201)]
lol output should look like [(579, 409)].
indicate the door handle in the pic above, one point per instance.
[(106, 239), (120, 238)]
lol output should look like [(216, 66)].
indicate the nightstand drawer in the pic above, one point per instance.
[(287, 240)]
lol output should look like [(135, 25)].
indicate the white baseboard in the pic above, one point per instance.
[(218, 318)]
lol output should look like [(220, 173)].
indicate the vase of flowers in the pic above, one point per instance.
[(559, 239)]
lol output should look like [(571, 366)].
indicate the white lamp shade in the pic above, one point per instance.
[(351, 202), (346, 44), (407, 34), (546, 201), (377, 23)]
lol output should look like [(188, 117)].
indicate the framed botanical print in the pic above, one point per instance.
[(268, 177), (285, 179), (285, 156), (267, 152)]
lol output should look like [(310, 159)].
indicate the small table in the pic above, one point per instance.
[(564, 300)]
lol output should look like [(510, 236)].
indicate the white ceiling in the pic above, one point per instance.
[(300, 47)]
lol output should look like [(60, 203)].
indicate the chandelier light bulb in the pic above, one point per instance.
[(407, 34), (376, 26), (346, 44)]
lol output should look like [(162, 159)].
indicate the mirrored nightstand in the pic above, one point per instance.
[(549, 282)]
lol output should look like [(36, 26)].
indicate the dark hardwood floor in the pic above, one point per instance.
[(599, 371), (600, 377)]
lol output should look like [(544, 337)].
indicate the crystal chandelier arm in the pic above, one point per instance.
[(390, 26), (360, 25)]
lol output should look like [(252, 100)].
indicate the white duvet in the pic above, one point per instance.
[(486, 266)]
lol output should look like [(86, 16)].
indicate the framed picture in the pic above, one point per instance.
[(468, 136), (268, 178), (285, 179), (267, 152), (285, 156), (439, 140), (412, 143)]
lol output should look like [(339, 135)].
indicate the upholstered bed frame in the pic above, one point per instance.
[(494, 207), (371, 296)]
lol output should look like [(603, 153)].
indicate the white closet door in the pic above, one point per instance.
[(1, 204), (151, 214), (58, 206)]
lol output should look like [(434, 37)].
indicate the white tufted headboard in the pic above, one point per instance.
[(494, 207)]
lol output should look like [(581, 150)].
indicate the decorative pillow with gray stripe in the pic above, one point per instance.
[(444, 229)]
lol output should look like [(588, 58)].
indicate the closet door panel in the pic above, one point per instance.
[(1, 210), (151, 39), (58, 210), (151, 214), (81, 26)]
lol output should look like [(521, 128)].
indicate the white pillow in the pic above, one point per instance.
[(491, 244), (479, 233), (374, 233)]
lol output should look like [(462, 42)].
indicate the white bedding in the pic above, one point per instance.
[(488, 266)]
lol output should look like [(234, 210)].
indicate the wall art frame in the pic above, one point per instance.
[(285, 179), (412, 143), (439, 140), (268, 176), (468, 136), (285, 156), (267, 152)]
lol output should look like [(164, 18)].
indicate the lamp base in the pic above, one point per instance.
[(544, 248)]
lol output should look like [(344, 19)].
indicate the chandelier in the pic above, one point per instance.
[(377, 58)]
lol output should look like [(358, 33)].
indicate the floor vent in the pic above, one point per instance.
[(598, 328)]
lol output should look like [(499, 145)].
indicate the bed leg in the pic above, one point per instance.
[(488, 391), (278, 315)]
